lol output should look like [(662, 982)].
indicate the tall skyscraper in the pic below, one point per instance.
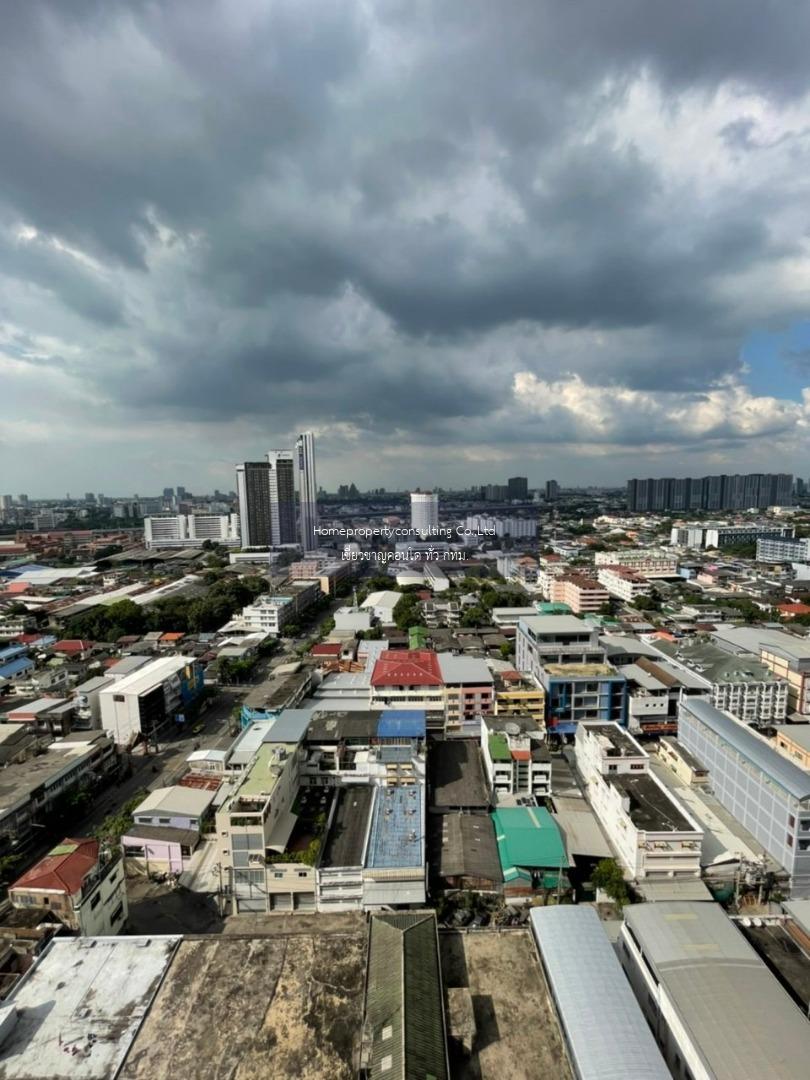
[(552, 490), (307, 490), (424, 511), (253, 492), (723, 492), (282, 496)]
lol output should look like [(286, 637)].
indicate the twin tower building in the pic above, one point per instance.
[(266, 491)]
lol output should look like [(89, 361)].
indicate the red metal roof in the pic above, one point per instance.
[(75, 645), (794, 609), (172, 636), (521, 755), (407, 667), (326, 648), (63, 869), (15, 588), (200, 782)]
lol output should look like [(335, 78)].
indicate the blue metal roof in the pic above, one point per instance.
[(606, 1033), (8, 652), (405, 723), (22, 663), (25, 568), (751, 746)]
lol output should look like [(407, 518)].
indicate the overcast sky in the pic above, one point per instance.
[(458, 240)]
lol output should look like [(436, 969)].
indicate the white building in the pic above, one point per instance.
[(424, 511), (651, 832), (143, 704), (382, 604), (190, 530), (352, 619), (648, 563), (715, 1009), (307, 490), (515, 756), (623, 583), (516, 527)]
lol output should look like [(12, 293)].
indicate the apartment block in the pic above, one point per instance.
[(654, 836), (764, 791), (518, 696), (581, 593), (555, 639), (516, 759), (190, 530), (623, 583), (647, 562)]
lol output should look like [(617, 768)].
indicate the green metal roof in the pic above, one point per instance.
[(404, 1009), (528, 838), (498, 747), (417, 637)]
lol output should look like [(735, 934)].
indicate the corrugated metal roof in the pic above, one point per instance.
[(742, 1021), (752, 747), (404, 998), (606, 1033), (527, 837), (407, 723)]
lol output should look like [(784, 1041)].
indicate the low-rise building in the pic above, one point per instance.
[(623, 583), (83, 886), (683, 763), (518, 696), (382, 604), (531, 850), (143, 706), (763, 790), (555, 639), (714, 1007), (516, 759), (648, 562), (582, 692), (468, 686), (652, 833), (581, 593), (410, 679), (793, 740)]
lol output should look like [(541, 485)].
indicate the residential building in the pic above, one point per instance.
[(37, 773), (652, 833), (190, 530), (518, 696), (720, 534), (517, 488), (167, 827), (555, 639), (605, 1032), (488, 525), (87, 701), (424, 512), (410, 679), (307, 490), (404, 1022), (793, 740), (752, 491), (764, 791), (716, 1010), (577, 692), (270, 613), (382, 605), (684, 764), (515, 756), (623, 583), (469, 688), (783, 550), (47, 716), (83, 886), (788, 658), (143, 706), (255, 510), (649, 562), (581, 593), (552, 490)]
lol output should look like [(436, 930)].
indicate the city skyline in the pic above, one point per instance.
[(444, 275)]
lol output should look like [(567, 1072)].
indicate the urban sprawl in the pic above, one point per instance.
[(505, 781)]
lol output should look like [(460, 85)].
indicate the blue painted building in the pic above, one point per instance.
[(576, 692)]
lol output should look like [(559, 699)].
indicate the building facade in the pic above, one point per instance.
[(723, 492), (424, 511), (190, 530), (307, 490)]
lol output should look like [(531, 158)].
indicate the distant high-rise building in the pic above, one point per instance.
[(307, 490), (6, 502), (517, 488), (552, 490), (495, 492), (22, 500), (751, 491), (181, 491), (89, 497), (168, 493), (282, 496), (424, 511), (253, 492)]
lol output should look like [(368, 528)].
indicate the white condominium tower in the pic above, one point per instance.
[(424, 511), (307, 490)]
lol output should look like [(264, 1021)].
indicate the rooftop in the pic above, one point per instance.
[(606, 1032), (81, 1006), (464, 669), (404, 1007), (751, 746), (554, 624), (265, 770), (256, 1008), (176, 800), (406, 667), (463, 845), (397, 827), (457, 774), (651, 806), (716, 664), (360, 725), (581, 671), (733, 1008), (19, 779), (346, 839), (63, 869), (528, 837), (150, 675)]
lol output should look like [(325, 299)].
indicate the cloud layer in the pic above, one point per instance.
[(456, 239)]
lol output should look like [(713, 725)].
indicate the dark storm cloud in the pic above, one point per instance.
[(378, 214)]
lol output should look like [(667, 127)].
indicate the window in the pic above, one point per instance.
[(386, 1063), (118, 697), (95, 901), (637, 768), (118, 913), (387, 1032), (303, 873), (789, 840), (791, 821), (278, 874)]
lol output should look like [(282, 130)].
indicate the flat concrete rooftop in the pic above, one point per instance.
[(397, 828), (651, 808)]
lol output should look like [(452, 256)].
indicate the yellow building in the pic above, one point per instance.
[(793, 740), (516, 696)]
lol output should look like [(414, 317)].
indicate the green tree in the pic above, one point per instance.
[(608, 877)]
